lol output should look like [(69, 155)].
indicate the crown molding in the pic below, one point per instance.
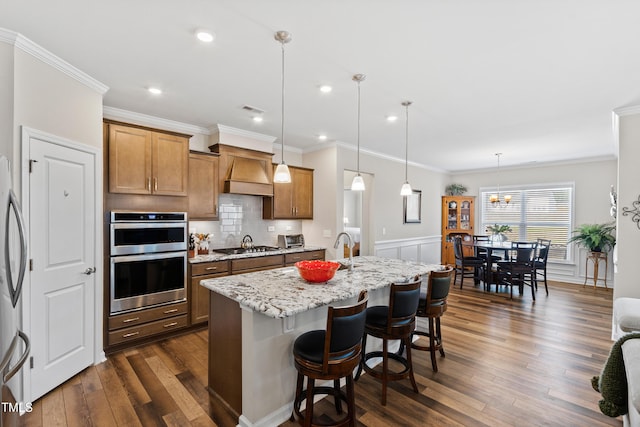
[(38, 52), (151, 121), (627, 111), (241, 132)]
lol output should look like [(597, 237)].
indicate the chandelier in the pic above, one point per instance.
[(495, 198)]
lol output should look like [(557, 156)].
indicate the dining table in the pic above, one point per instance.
[(490, 247)]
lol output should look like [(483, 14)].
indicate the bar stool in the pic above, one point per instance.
[(393, 322), (330, 355), (432, 305)]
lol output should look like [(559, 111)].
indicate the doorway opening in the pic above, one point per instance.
[(356, 218)]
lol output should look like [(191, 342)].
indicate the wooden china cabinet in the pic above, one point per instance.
[(457, 220)]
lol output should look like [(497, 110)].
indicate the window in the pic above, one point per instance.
[(534, 212)]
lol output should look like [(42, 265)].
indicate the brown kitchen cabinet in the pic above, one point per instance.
[(144, 161), (457, 220), (199, 295), (291, 259), (203, 186), (292, 200), (135, 325)]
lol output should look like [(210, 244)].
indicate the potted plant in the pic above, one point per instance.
[(595, 237), (498, 231), (455, 189)]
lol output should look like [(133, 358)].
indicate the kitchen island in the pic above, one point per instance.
[(254, 319)]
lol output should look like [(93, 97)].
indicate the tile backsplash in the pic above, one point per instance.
[(241, 215)]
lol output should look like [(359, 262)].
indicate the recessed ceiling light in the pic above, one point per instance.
[(155, 90), (257, 119), (325, 88), (322, 137), (392, 118), (205, 36)]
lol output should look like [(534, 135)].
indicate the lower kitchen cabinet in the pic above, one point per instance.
[(139, 324), (199, 295), (290, 259)]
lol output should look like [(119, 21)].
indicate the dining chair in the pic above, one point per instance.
[(540, 262), (431, 306), (519, 270), (468, 266)]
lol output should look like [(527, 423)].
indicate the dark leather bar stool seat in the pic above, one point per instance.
[(432, 305), (330, 354), (393, 322)]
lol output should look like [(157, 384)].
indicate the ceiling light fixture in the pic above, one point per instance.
[(322, 137), (325, 88), (392, 118), (358, 183), (282, 174), (406, 187), (495, 198), (155, 90), (257, 119), (205, 36)]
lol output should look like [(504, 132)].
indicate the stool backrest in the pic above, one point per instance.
[(434, 299), (403, 303), (345, 327)]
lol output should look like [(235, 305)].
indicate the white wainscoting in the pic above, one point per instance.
[(425, 249)]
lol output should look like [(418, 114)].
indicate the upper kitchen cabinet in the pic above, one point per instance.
[(293, 200), (203, 186), (145, 161)]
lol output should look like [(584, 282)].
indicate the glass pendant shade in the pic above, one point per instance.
[(406, 189), (282, 174), (357, 184)]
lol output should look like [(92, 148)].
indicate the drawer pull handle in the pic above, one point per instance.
[(133, 319), (173, 310), (211, 268), (132, 334), (168, 325)]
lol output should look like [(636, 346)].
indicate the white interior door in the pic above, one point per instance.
[(62, 230)]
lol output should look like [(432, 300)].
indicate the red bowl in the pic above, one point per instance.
[(315, 271)]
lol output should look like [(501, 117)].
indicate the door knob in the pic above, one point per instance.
[(89, 271)]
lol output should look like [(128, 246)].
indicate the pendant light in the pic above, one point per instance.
[(358, 183), (495, 198), (282, 174), (406, 187)]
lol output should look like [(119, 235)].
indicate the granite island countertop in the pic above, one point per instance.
[(282, 292), (222, 257)]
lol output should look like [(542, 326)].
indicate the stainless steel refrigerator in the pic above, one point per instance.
[(14, 344)]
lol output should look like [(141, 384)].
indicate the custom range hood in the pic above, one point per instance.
[(244, 171)]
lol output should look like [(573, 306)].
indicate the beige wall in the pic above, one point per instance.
[(6, 100), (628, 243)]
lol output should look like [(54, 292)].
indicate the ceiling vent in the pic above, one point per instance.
[(252, 109)]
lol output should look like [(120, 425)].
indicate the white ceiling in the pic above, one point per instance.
[(535, 80)]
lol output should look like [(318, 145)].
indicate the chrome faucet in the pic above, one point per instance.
[(349, 243), (247, 242)]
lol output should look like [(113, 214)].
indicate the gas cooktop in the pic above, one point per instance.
[(255, 249)]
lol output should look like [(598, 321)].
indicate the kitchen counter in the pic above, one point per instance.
[(282, 292), (254, 319), (222, 257)]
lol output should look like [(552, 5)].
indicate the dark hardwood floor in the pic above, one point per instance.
[(508, 363)]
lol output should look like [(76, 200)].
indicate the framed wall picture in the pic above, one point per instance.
[(413, 207)]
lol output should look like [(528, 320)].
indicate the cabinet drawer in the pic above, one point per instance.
[(200, 268), (143, 316), (300, 256), (148, 329), (270, 261)]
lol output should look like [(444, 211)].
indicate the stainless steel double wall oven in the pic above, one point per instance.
[(148, 259)]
